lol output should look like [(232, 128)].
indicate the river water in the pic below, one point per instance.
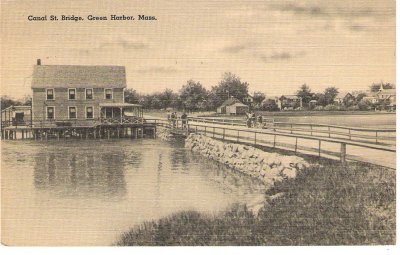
[(82, 192)]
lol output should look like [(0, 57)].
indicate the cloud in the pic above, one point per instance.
[(296, 8), (279, 56), (235, 48), (158, 69), (324, 8), (357, 16), (125, 44)]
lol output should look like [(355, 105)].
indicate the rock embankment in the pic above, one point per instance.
[(266, 166), (164, 134)]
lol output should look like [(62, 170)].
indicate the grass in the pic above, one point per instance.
[(326, 204)]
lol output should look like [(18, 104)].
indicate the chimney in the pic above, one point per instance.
[(39, 62)]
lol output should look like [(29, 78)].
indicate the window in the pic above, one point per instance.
[(108, 93), (109, 113), (50, 112), (89, 94), (71, 94), (72, 112), (89, 112), (50, 94)]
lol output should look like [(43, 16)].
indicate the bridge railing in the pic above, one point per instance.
[(368, 135), (319, 146), (328, 147)]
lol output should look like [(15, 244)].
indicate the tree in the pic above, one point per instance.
[(376, 86), (193, 96), (305, 94), (258, 98), (270, 105), (7, 102), (229, 86), (360, 96), (321, 100), (167, 98), (330, 94), (131, 96)]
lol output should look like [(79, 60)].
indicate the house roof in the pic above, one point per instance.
[(238, 104), (289, 97), (341, 95), (388, 92), (74, 76), (17, 108), (230, 101)]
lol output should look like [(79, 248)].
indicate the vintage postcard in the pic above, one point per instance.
[(198, 123)]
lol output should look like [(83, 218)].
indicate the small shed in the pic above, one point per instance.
[(232, 106), (237, 108)]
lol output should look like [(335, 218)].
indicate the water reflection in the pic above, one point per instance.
[(98, 189), (96, 173)]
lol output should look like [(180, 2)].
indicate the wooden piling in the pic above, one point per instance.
[(343, 153)]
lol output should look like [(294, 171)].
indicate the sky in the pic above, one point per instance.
[(275, 46)]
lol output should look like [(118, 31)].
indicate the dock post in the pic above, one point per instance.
[(295, 147), (142, 133), (343, 153), (108, 133), (118, 132), (319, 148)]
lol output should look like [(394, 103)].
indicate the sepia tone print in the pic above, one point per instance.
[(188, 123)]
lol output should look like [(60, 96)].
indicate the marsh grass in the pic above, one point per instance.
[(326, 204)]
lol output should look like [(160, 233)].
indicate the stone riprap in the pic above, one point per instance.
[(266, 166), (164, 133)]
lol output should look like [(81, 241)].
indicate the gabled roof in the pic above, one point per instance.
[(238, 104), (73, 76), (387, 92), (293, 97), (230, 101), (342, 94)]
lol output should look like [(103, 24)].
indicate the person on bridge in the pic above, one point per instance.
[(184, 120), (248, 119), (169, 117), (173, 118), (253, 119), (260, 121)]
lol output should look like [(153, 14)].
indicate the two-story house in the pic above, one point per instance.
[(79, 94)]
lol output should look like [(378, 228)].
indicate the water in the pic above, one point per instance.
[(90, 192)]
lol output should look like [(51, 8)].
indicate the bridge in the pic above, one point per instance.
[(375, 146)]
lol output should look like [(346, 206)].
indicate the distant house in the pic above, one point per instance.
[(385, 97), (78, 95), (289, 102), (344, 98), (232, 106), (370, 97), (248, 99)]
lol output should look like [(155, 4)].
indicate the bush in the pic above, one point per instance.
[(353, 108), (324, 205)]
